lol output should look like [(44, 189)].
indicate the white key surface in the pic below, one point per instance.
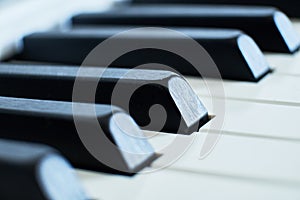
[(274, 89), (258, 119), (260, 159), (178, 185)]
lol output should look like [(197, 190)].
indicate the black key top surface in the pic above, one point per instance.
[(235, 54), (270, 28), (35, 171), (53, 123)]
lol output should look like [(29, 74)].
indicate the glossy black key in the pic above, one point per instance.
[(290, 7), (136, 91), (53, 123), (269, 27), (235, 54), (34, 171)]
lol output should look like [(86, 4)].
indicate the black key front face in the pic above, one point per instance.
[(270, 28), (29, 171), (52, 123), (136, 91), (231, 50), (290, 7)]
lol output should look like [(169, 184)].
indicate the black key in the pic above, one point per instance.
[(235, 54), (136, 91), (290, 7), (53, 123), (34, 171), (270, 28)]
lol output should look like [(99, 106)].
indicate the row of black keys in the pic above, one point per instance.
[(49, 120), (235, 53), (52, 122)]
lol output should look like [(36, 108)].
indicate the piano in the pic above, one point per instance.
[(229, 132)]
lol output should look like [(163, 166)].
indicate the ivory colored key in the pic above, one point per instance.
[(35, 171), (290, 7), (180, 184), (137, 91), (232, 51), (273, 89), (65, 126), (251, 158), (256, 119), (283, 64), (270, 28)]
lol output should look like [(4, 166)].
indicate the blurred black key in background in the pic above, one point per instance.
[(270, 28)]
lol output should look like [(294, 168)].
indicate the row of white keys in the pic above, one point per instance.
[(237, 166), (239, 162)]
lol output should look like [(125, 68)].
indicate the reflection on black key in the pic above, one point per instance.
[(235, 54), (52, 123), (290, 7), (34, 171), (270, 28), (137, 91)]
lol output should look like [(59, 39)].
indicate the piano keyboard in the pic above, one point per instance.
[(251, 121)]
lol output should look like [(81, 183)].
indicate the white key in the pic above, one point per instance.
[(178, 185), (274, 89), (258, 119), (240, 157), (285, 63)]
